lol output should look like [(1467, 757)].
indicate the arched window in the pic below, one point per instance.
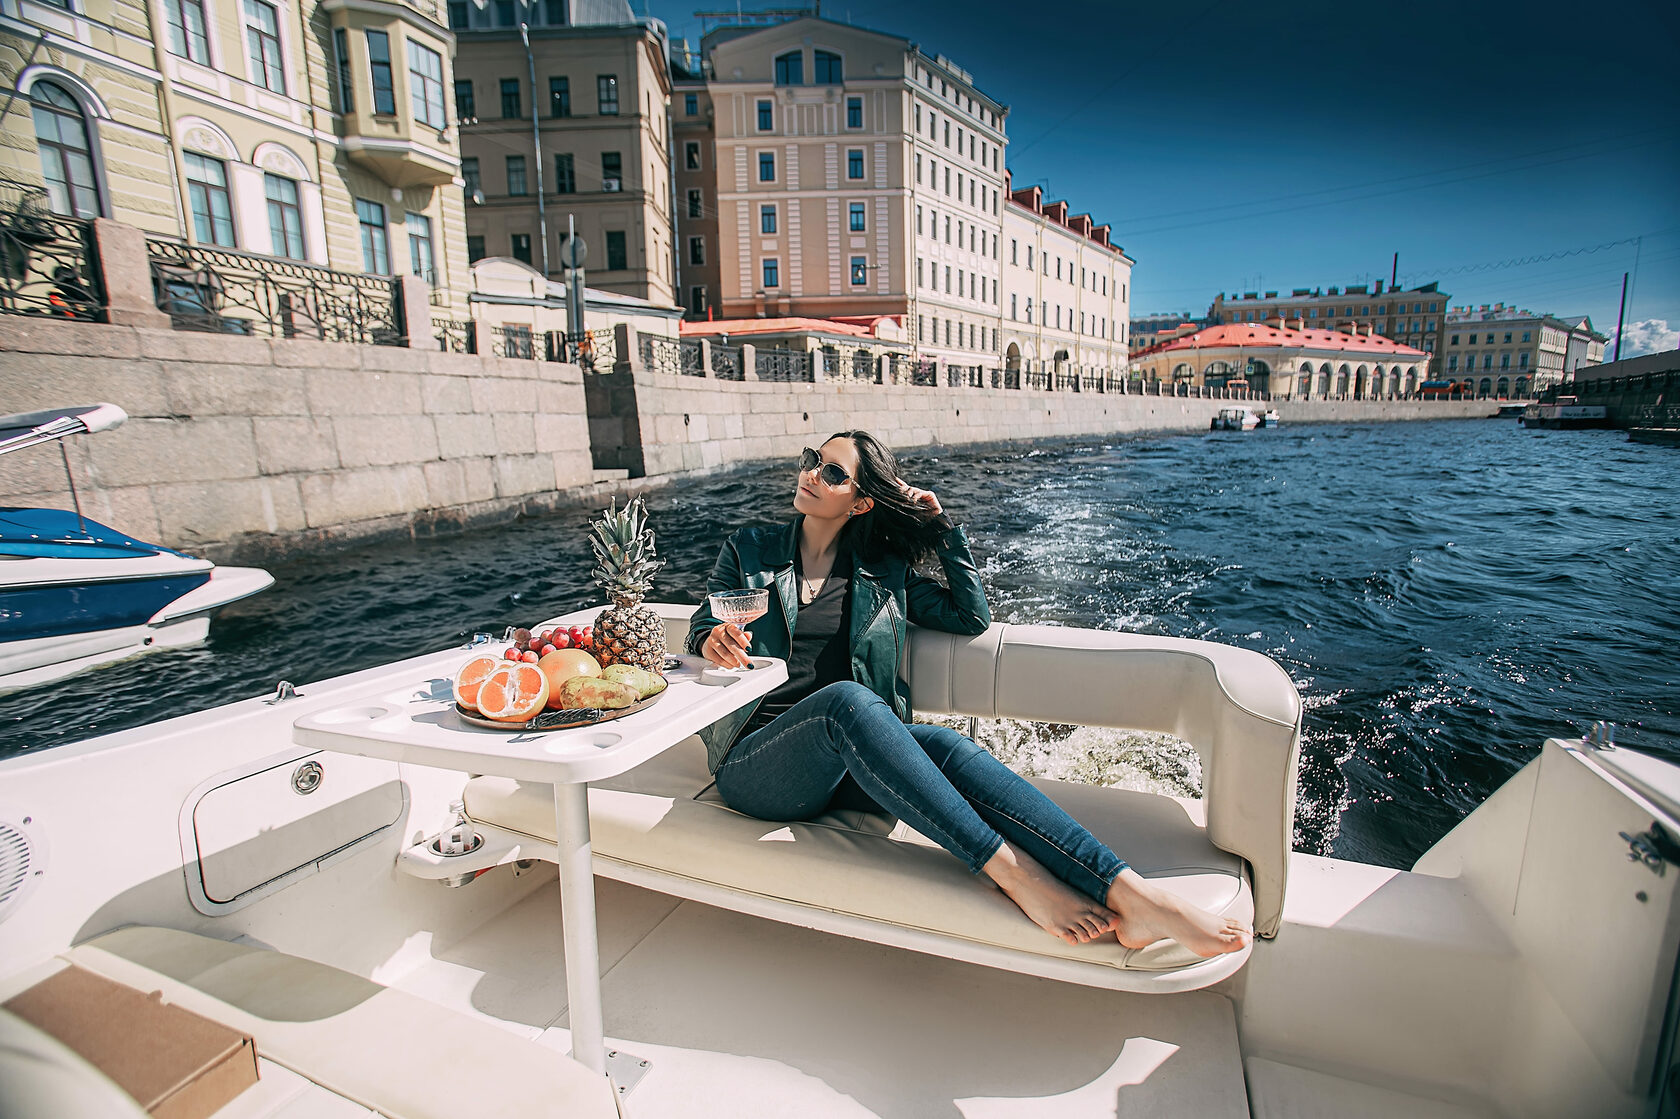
[(790, 68), (828, 68), (61, 136)]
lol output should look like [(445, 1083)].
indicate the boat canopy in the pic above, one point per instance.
[(29, 429)]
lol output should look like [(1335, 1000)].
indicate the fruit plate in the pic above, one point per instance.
[(560, 720)]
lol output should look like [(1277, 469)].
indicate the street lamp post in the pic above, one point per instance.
[(536, 138)]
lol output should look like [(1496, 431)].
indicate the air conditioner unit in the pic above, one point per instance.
[(611, 184)]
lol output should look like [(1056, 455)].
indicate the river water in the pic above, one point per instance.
[(1444, 594)]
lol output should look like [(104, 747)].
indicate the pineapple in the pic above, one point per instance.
[(627, 632)]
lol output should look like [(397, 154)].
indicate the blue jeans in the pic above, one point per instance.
[(843, 740)]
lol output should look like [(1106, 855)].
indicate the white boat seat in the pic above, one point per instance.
[(663, 826), (385, 1049)]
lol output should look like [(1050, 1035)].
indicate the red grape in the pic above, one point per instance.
[(561, 641)]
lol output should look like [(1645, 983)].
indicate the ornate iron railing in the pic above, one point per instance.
[(48, 263), (830, 362), (1038, 379), (226, 292), (593, 351), (865, 367), (1011, 378), (662, 355), (513, 340), (784, 365), (898, 366), (690, 358), (456, 336), (924, 372), (726, 363)]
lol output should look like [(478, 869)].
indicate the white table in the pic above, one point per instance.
[(418, 724)]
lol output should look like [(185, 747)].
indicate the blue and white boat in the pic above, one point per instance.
[(75, 594)]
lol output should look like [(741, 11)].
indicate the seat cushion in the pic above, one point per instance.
[(385, 1049), (665, 816)]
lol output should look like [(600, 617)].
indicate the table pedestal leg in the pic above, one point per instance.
[(577, 918)]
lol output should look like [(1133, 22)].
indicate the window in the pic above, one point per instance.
[(379, 65), (918, 221), (1029, 256), (1504, 361), (771, 273), (918, 167), (376, 248), (465, 108), (828, 68), (860, 271), (425, 84), (618, 258), (790, 68), (458, 15), (520, 243), (1526, 335), (285, 220), (475, 249), (947, 133), (262, 36), (691, 155), (516, 175), (854, 112), (186, 30), (1487, 361), (1012, 307), (207, 191), (1507, 337), (695, 206), (947, 229), (504, 14), (1454, 341), (420, 261), (919, 282), (346, 87), (767, 219), (691, 107), (510, 99), (61, 137), (697, 250), (612, 171), (766, 167), (554, 13), (565, 180), (766, 116), (606, 94), (559, 97), (471, 183), (1522, 361), (854, 163), (1472, 340), (1029, 309), (855, 223)]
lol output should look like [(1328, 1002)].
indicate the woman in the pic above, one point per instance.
[(837, 733)]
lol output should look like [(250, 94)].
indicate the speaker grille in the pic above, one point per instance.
[(16, 864)]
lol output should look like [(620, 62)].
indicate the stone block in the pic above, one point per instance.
[(666, 429), (451, 364), (516, 433), (734, 426), (386, 441), (127, 509), (206, 389), (355, 393), (465, 435), (445, 394), (446, 483), (478, 475), (560, 433), (193, 345), (294, 444), (491, 394), (193, 513), (148, 451), (560, 398), (756, 424), (29, 382), (573, 467), (517, 475), (396, 359), (312, 353), (344, 496), (33, 335)]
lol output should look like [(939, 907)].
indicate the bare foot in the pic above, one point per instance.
[(1148, 914), (1052, 904)]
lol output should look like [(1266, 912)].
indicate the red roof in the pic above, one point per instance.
[(1254, 334), (772, 326)]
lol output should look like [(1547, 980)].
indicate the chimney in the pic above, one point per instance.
[(1300, 322), (1379, 287)]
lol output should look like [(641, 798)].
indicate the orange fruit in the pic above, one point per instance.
[(562, 664), (471, 676), (513, 693)]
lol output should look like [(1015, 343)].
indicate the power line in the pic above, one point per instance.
[(1524, 261)]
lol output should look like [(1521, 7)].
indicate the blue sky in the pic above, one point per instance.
[(1244, 146)]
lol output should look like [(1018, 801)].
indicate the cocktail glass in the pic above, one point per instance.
[(740, 608)]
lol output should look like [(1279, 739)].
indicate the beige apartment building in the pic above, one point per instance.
[(1411, 317), (694, 157), (313, 131), (599, 154), (1504, 351), (1066, 289)]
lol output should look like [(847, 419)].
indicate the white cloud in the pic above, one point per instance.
[(1651, 336)]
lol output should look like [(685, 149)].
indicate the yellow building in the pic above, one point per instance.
[(311, 131)]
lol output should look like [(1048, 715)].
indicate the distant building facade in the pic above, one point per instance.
[(317, 132), (1412, 317), (1511, 352), (694, 167), (1288, 359), (1066, 288), (600, 151)]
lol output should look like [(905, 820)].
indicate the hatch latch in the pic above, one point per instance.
[(1655, 848)]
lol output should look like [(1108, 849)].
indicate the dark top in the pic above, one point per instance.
[(821, 654)]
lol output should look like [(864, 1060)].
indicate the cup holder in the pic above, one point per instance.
[(351, 715)]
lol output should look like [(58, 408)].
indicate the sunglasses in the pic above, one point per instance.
[(833, 475)]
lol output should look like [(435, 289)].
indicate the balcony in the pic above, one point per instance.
[(399, 161), (380, 129)]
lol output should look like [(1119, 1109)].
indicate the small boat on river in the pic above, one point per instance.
[(1564, 412), (1236, 418), (75, 594)]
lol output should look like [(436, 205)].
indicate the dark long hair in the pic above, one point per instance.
[(894, 525)]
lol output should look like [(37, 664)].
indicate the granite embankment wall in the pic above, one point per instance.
[(248, 449)]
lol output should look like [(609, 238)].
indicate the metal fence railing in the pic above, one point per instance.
[(225, 292), (689, 358), (726, 363), (662, 355), (783, 365), (513, 340), (456, 336), (48, 263), (865, 367)]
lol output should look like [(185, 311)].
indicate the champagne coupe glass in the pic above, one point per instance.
[(740, 608)]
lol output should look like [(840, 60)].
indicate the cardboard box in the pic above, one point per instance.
[(176, 1064)]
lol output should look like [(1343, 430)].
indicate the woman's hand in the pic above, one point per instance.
[(727, 646), (922, 498)]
